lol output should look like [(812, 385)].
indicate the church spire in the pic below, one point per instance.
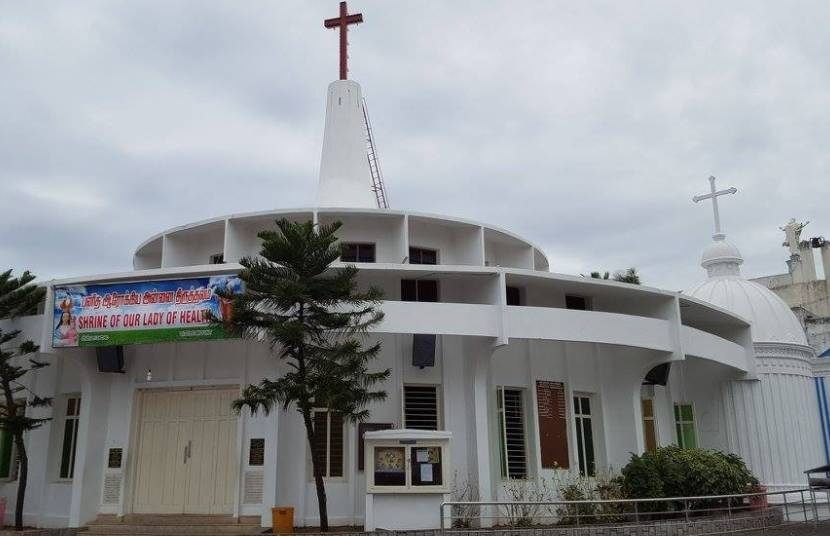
[(345, 175), (721, 257)]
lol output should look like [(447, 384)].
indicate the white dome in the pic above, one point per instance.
[(771, 318), (720, 251)]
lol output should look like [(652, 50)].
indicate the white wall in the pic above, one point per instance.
[(385, 231), (456, 244), (505, 251), (193, 247), (595, 360)]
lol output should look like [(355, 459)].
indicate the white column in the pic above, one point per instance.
[(37, 443), (272, 474), (480, 366), (90, 449)]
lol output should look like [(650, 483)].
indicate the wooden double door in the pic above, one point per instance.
[(186, 457)]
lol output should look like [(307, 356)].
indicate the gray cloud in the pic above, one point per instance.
[(585, 127)]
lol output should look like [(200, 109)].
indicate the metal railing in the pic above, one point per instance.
[(726, 513)]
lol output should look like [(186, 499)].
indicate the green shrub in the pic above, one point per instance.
[(577, 490), (678, 472), (603, 486)]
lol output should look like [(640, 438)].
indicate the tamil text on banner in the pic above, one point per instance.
[(143, 311)]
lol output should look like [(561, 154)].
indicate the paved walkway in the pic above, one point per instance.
[(797, 529)]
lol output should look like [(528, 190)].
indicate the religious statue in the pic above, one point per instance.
[(793, 232)]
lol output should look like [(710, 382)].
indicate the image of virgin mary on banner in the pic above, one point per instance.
[(140, 312)]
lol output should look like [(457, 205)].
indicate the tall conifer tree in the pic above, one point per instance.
[(18, 297), (315, 319)]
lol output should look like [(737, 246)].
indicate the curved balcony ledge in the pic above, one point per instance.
[(439, 318), (697, 343), (588, 326), (525, 323)]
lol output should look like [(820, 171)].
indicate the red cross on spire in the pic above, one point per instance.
[(342, 22)]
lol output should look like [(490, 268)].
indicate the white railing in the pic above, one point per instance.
[(725, 513)]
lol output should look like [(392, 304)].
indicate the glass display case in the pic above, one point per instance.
[(407, 461)]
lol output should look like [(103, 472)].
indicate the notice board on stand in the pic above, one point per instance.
[(364, 427), (553, 424)]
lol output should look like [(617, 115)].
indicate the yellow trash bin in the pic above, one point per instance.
[(282, 519)]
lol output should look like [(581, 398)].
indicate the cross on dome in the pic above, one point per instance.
[(342, 22), (713, 195)]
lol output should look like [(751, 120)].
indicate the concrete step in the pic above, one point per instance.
[(181, 525), (199, 530), (171, 531)]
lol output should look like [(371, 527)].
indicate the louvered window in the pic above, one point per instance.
[(512, 431), (328, 442), (421, 407)]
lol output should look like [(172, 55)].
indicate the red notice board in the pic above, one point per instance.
[(553, 424)]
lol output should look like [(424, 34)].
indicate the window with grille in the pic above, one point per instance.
[(328, 442), (70, 437), (649, 425), (423, 256), (421, 407), (423, 290), (584, 435), (354, 252), (218, 258), (684, 419), (512, 431)]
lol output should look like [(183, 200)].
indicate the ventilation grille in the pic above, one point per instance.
[(514, 433), (420, 407), (112, 488), (253, 487)]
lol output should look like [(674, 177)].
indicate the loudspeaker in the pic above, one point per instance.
[(110, 358), (423, 350), (659, 375)]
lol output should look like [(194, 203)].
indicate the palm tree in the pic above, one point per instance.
[(622, 276), (627, 276)]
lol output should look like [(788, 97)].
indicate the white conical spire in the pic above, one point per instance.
[(345, 179)]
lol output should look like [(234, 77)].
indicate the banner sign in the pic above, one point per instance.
[(142, 311)]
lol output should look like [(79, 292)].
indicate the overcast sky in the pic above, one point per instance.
[(584, 126)]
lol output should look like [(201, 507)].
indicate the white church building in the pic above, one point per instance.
[(529, 370)]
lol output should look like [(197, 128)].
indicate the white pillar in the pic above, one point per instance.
[(37, 446), (89, 450), (480, 365)]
